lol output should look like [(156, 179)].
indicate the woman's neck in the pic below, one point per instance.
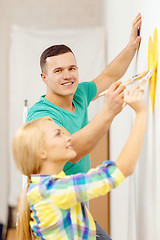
[(49, 168)]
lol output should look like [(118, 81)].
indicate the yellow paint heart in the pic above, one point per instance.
[(153, 63)]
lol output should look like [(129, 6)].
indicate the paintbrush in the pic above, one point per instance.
[(147, 76), (131, 80), (134, 78)]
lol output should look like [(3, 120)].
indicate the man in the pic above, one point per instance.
[(66, 102)]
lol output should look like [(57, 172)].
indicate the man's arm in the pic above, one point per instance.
[(86, 139), (117, 68)]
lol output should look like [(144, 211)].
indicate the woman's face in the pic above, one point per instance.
[(57, 146)]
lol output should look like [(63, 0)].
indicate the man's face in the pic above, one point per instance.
[(61, 76)]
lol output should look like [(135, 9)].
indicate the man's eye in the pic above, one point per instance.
[(58, 71), (73, 69)]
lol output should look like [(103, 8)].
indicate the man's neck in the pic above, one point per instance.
[(65, 102)]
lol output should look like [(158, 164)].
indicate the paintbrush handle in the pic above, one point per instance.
[(134, 78), (128, 81), (144, 76)]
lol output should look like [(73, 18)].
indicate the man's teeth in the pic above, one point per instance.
[(67, 84)]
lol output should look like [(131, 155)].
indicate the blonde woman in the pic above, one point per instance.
[(52, 204)]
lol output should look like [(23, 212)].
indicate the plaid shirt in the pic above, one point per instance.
[(57, 203)]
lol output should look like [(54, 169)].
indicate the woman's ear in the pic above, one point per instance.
[(43, 155)]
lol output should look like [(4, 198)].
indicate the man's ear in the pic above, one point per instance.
[(44, 78)]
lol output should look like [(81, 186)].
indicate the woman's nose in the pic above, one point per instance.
[(68, 138)]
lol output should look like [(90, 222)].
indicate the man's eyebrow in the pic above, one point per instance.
[(73, 65), (60, 68), (57, 68)]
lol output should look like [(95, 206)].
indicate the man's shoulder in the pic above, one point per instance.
[(41, 104), (42, 108), (85, 90), (86, 86)]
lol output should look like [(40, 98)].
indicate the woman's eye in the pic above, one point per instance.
[(58, 134)]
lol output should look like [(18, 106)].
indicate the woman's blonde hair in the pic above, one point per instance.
[(26, 146)]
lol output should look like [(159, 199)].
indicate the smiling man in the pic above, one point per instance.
[(66, 102), (60, 74)]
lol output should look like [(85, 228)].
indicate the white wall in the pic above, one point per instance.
[(135, 210), (33, 13), (118, 18)]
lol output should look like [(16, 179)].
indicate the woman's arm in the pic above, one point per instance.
[(67, 191), (127, 159)]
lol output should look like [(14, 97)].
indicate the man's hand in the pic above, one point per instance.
[(114, 99), (135, 38)]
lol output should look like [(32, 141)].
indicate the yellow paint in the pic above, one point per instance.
[(153, 62)]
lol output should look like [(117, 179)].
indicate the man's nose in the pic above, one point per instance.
[(66, 74)]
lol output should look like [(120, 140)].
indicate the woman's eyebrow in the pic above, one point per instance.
[(57, 130)]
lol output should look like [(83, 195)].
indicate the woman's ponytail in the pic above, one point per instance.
[(23, 221)]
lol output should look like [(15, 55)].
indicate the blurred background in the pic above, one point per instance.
[(96, 30)]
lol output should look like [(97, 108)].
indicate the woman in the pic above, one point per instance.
[(52, 205)]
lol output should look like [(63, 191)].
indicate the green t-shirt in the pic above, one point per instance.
[(73, 122)]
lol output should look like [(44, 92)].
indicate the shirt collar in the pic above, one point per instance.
[(35, 178)]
